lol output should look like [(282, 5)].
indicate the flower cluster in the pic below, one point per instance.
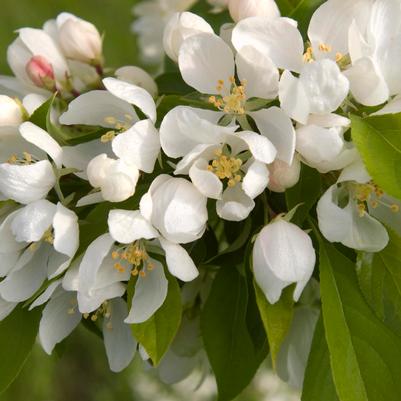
[(124, 199)]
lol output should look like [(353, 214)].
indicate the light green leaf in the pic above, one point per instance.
[(276, 318), (157, 333), (318, 382), (378, 140), (365, 355), (379, 277), (228, 343), (17, 336)]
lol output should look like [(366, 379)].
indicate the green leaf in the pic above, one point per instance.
[(41, 118), (276, 318), (172, 83), (17, 337), (379, 276), (228, 343), (306, 192), (365, 355), (300, 10), (378, 140), (157, 333), (318, 383)]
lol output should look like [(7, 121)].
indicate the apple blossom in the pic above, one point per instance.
[(283, 254)]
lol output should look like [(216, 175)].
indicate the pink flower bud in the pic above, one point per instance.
[(41, 72)]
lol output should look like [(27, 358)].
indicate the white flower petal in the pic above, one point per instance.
[(260, 146), (293, 98), (334, 222), (330, 23), (132, 94), (282, 252), (283, 175), (32, 102), (66, 231), (183, 128), (139, 145), (272, 37), (367, 83), (205, 59), (8, 262), (365, 233), (179, 263), (205, 152), (33, 221), (235, 205), (90, 199), (179, 211), (59, 318), (7, 238), (318, 144), (120, 182), (126, 226), (259, 72), (79, 156), (46, 294), (42, 140), (137, 76), (22, 284), (325, 85), (89, 303), (26, 183), (92, 261), (205, 181), (6, 308), (149, 296), (94, 108), (256, 179), (275, 125), (118, 340)]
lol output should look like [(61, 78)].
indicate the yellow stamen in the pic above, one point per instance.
[(108, 137), (234, 103)]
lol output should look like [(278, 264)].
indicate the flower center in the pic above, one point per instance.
[(324, 48), (226, 168), (26, 158), (103, 311), (234, 103), (372, 194), (119, 126), (134, 257)]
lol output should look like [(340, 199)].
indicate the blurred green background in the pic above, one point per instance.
[(79, 371)]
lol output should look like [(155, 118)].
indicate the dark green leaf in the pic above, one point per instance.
[(378, 140), (17, 336), (318, 382), (227, 341), (276, 318), (300, 10), (365, 355), (172, 83), (306, 193), (157, 333)]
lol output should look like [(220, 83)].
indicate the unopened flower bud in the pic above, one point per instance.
[(10, 112), (283, 175), (80, 40), (240, 9), (41, 72), (181, 26)]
